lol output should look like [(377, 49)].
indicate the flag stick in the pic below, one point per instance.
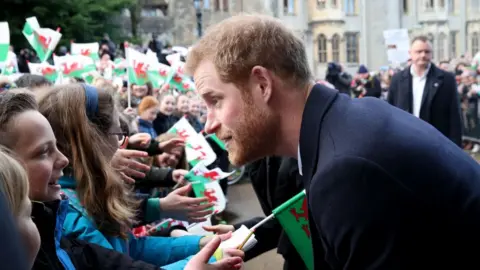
[(129, 85), (262, 222), (246, 239)]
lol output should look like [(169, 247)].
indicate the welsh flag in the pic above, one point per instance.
[(180, 81), (293, 216), (4, 41), (76, 66), (43, 40), (173, 58), (137, 66), (159, 74), (119, 67), (213, 192), (10, 65), (85, 49), (197, 148), (209, 175), (44, 69)]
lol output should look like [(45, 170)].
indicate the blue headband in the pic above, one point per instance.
[(91, 105)]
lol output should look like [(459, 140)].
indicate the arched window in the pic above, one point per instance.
[(352, 46), (322, 48), (336, 48)]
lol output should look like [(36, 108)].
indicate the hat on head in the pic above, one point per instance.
[(362, 69), (147, 103)]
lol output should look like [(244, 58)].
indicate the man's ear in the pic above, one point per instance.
[(262, 82)]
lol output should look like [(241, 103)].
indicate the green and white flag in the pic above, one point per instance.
[(44, 69), (137, 66), (159, 74), (85, 49), (4, 41), (213, 191), (293, 216), (42, 40), (197, 148), (119, 67), (76, 66), (10, 65)]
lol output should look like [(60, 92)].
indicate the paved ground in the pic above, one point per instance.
[(243, 204)]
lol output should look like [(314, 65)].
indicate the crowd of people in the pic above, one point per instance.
[(85, 165)]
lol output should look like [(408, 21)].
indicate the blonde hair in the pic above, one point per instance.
[(239, 43), (99, 187), (13, 181)]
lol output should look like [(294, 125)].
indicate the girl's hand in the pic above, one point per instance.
[(178, 176), (123, 160), (178, 200), (233, 261), (139, 140)]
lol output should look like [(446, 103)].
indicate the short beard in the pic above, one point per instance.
[(256, 136)]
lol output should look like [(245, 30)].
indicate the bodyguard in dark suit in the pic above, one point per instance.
[(392, 193), (385, 189), (428, 92)]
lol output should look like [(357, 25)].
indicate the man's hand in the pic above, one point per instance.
[(207, 239), (200, 261), (219, 229)]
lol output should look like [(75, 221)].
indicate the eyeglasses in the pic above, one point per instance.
[(121, 136)]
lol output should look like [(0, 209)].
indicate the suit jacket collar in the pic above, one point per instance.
[(317, 105), (434, 80)]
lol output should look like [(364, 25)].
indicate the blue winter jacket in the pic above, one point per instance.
[(170, 253), (146, 127)]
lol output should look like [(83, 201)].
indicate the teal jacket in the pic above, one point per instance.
[(170, 253)]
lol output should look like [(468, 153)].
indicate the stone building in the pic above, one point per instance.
[(351, 31)]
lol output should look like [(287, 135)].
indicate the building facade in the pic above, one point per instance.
[(351, 31)]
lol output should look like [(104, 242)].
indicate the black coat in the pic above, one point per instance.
[(440, 103), (163, 123), (275, 180), (385, 189)]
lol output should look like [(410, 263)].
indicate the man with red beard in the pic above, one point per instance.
[(385, 189)]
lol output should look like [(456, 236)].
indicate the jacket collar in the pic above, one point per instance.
[(317, 105), (49, 217), (144, 123)]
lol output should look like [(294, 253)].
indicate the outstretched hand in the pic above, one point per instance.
[(200, 261)]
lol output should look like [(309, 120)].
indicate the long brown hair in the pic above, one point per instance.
[(83, 140)]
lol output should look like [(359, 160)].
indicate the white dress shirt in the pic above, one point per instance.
[(299, 162), (418, 87)]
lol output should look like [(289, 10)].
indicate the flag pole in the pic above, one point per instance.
[(262, 222), (129, 93), (246, 239)]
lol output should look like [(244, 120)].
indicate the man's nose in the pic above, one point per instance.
[(211, 125)]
